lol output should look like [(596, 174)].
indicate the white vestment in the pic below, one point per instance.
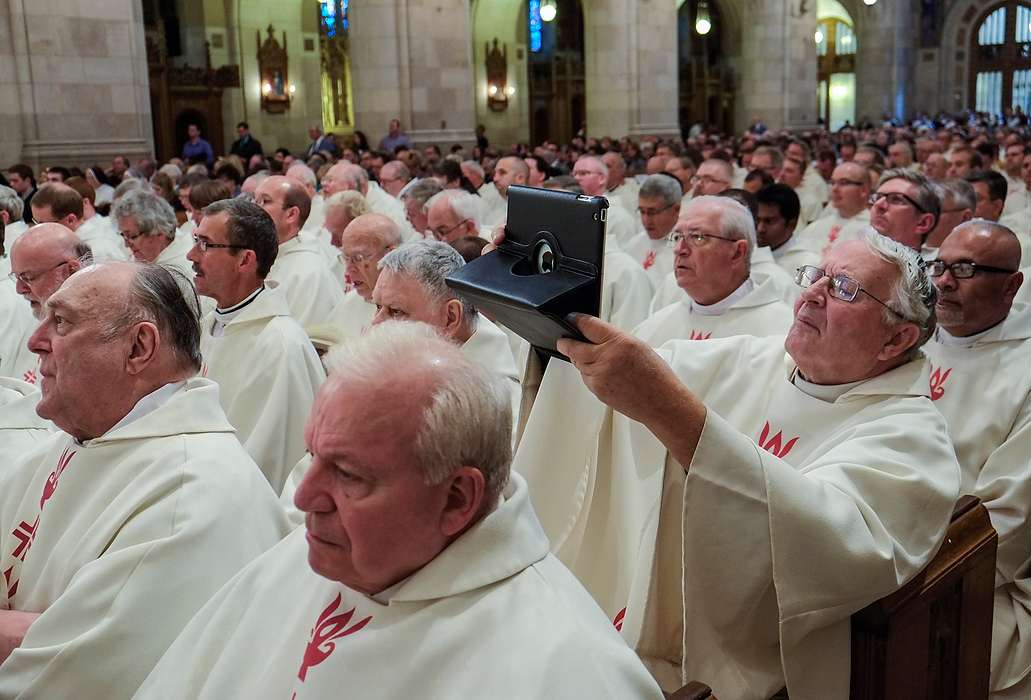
[(267, 372), (758, 312), (20, 428), (316, 215), (763, 268), (119, 542), (626, 193), (654, 256), (793, 254), (823, 234), (174, 254), (620, 225), (383, 203), (12, 232), (16, 325), (26, 362), (302, 271), (626, 293), (984, 392), (796, 512), (492, 616), (352, 315), (102, 242), (1017, 198), (495, 206)]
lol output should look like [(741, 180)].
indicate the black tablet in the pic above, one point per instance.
[(549, 266)]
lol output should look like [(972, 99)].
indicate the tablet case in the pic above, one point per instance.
[(549, 266)]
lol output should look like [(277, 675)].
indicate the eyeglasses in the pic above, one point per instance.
[(441, 235), (896, 199), (846, 183), (961, 270), (357, 258), (694, 238), (583, 173), (203, 244), (28, 279), (839, 286), (653, 212), (130, 236), (262, 201)]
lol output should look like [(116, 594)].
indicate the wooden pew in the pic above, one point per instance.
[(931, 639)]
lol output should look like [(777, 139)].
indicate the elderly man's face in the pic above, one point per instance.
[(591, 177), (40, 273), (79, 365), (710, 179), (144, 248), (371, 519), (834, 341), (416, 215), (706, 270), (399, 297), (335, 181), (936, 167), (444, 223), (361, 254)]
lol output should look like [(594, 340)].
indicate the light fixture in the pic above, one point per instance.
[(293, 89), (839, 91), (498, 90), (511, 90), (703, 23), (548, 10), (493, 90), (266, 88), (869, 2), (819, 37)]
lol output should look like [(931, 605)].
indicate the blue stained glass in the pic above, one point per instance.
[(535, 25), (331, 15)]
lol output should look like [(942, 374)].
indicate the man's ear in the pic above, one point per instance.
[(904, 337), (466, 487), (455, 316), (145, 342)]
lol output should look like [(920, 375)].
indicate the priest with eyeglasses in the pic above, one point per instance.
[(730, 503), (981, 383)]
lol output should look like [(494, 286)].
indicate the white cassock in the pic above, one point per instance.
[(620, 225), (752, 309), (316, 216), (352, 315), (267, 372), (810, 206), (495, 206), (814, 185), (823, 234), (1017, 197), (26, 362), (119, 542), (982, 385), (653, 255), (186, 228), (20, 428), (302, 271), (16, 325), (174, 254), (383, 203), (626, 293), (763, 268), (626, 193), (492, 616), (102, 242), (11, 233), (1020, 224), (797, 511), (793, 254)]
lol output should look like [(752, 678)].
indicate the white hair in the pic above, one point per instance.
[(464, 205)]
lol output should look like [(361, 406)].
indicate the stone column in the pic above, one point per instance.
[(412, 61), (653, 69), (885, 59), (778, 64), (608, 62), (75, 83)]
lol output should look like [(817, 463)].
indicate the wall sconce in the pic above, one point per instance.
[(498, 91), (273, 65)]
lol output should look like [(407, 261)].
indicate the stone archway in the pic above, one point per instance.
[(960, 26)]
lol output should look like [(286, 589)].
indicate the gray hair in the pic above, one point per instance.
[(468, 419), (172, 170), (663, 187), (963, 193), (736, 221), (165, 297), (474, 166), (596, 159), (152, 213), (356, 176), (914, 295), (11, 203), (127, 186), (350, 201), (429, 263), (464, 205), (423, 190), (304, 174), (928, 194)]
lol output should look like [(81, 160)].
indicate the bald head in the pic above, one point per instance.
[(363, 243), (301, 173), (345, 176), (42, 259)]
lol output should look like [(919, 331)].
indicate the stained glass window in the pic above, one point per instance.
[(535, 25)]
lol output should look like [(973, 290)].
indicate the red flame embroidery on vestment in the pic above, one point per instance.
[(326, 629), (774, 444)]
